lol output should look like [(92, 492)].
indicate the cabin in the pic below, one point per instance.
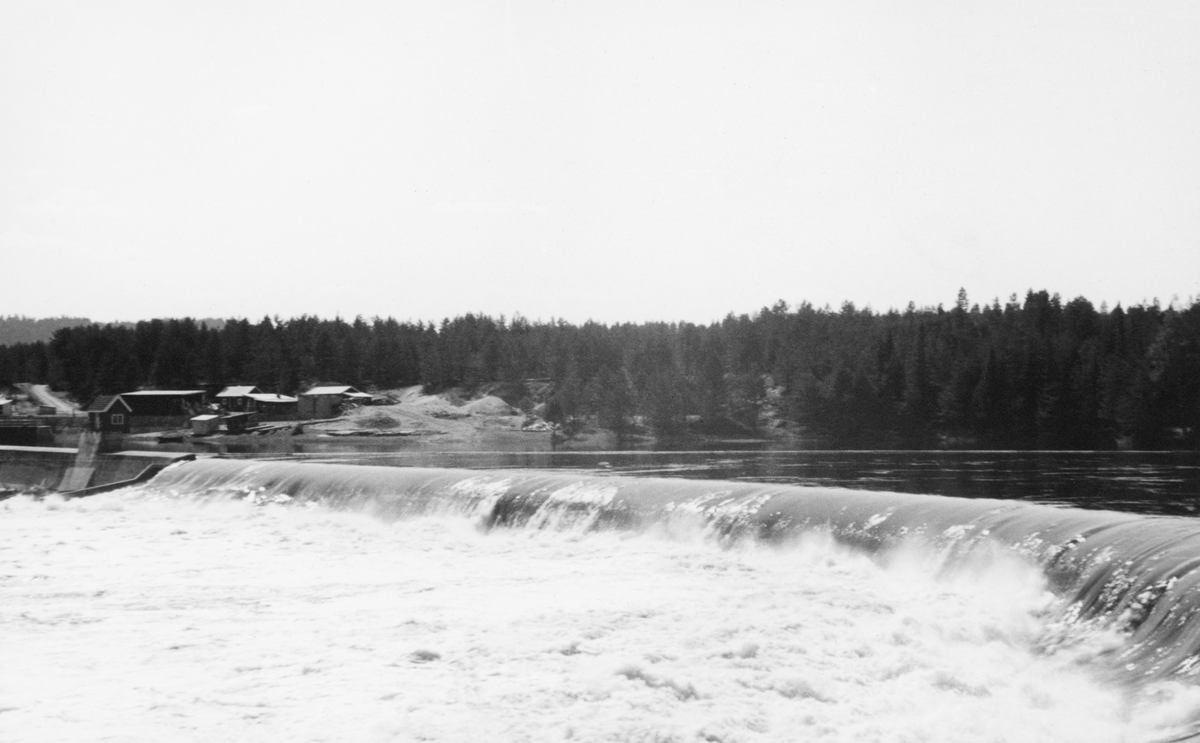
[(164, 402), (327, 402), (108, 413), (237, 398)]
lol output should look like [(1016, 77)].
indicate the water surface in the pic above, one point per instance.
[(1166, 483)]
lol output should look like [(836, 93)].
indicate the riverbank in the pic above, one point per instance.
[(415, 421)]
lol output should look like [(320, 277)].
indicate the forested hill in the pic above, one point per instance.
[(19, 329), (16, 329), (1038, 373)]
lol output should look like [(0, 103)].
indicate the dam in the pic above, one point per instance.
[(444, 602), (84, 469)]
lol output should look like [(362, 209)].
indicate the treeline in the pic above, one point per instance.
[(21, 329), (1034, 374)]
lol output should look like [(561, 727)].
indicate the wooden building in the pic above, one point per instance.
[(165, 402), (237, 398), (253, 400), (238, 422), (327, 402), (205, 425), (274, 406), (108, 413)]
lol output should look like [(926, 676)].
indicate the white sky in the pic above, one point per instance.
[(615, 161)]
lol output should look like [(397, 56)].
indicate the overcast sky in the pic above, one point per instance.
[(619, 161)]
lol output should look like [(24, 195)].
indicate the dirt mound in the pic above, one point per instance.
[(418, 414), (415, 400), (377, 420)]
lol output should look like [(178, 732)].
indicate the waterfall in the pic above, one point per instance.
[(1132, 574)]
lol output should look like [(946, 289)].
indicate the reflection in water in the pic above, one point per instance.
[(1144, 482)]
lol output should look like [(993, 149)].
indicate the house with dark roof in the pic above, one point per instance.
[(108, 413)]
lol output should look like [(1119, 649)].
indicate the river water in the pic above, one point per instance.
[(1138, 482), (307, 600)]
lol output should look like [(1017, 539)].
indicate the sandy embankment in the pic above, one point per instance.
[(438, 417)]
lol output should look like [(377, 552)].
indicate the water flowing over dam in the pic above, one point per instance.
[(1129, 575)]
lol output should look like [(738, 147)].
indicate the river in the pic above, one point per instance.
[(309, 600), (1139, 482)]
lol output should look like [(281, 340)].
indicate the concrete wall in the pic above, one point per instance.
[(34, 466), (24, 467)]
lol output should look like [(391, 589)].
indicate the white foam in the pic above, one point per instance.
[(135, 618)]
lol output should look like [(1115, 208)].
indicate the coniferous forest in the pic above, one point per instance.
[(20, 329), (1041, 373)]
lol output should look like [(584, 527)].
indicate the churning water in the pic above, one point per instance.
[(320, 601)]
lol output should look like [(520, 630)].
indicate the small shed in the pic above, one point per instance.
[(327, 402), (205, 425), (108, 413), (6, 407)]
